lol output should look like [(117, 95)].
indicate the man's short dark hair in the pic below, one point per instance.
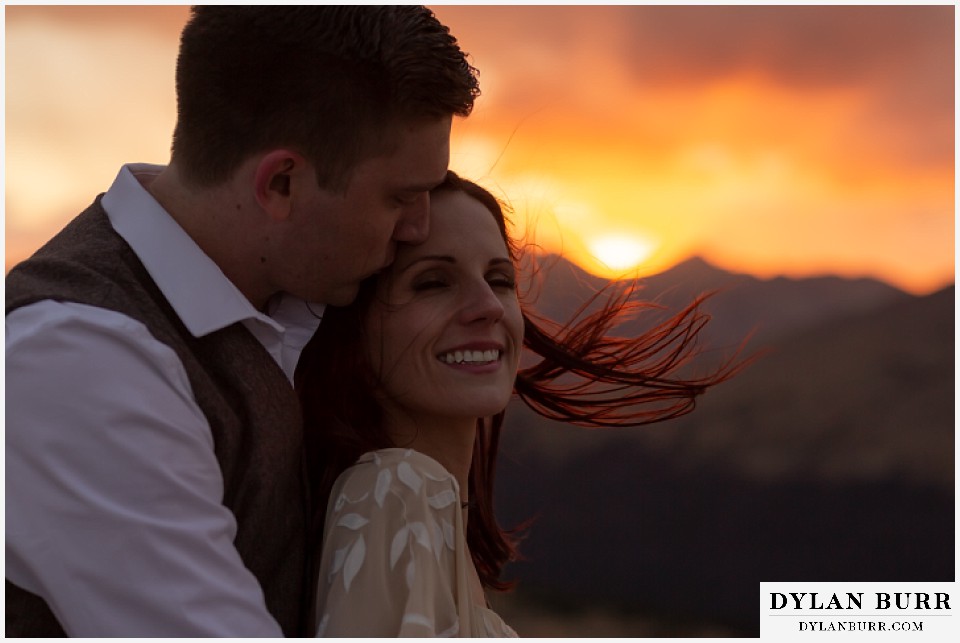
[(330, 82)]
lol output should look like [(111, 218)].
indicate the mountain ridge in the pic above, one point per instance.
[(740, 305), (830, 458)]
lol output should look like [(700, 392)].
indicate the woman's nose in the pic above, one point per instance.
[(481, 303)]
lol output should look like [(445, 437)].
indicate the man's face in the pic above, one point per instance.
[(338, 239)]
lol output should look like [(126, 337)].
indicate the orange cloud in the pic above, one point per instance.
[(770, 139), (797, 139)]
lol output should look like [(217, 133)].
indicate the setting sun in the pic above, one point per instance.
[(621, 253)]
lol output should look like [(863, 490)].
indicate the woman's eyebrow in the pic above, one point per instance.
[(444, 258), (450, 259)]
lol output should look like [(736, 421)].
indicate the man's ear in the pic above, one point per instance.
[(273, 179)]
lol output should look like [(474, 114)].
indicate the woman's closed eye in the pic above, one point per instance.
[(431, 282), (502, 281), (497, 282), (501, 277)]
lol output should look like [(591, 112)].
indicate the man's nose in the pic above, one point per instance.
[(414, 223)]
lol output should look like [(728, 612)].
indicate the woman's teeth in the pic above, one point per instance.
[(470, 357)]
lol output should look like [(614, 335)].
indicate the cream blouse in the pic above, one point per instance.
[(395, 558)]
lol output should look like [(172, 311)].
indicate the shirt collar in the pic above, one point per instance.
[(202, 296)]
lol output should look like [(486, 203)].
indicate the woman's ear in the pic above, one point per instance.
[(272, 181)]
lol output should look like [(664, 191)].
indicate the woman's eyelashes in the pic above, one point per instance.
[(497, 280), (429, 283), (502, 280)]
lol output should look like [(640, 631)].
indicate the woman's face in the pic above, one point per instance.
[(445, 328)]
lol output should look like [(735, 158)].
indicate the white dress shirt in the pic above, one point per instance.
[(114, 509)]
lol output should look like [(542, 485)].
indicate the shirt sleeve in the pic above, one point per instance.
[(389, 563), (114, 509)]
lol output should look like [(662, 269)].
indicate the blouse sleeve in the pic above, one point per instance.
[(389, 563)]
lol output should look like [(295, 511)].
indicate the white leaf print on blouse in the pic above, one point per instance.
[(448, 534), (419, 619), (354, 562), (443, 499), (401, 540), (338, 557), (396, 547), (436, 538), (419, 531), (409, 477), (411, 573), (384, 478), (322, 628), (342, 500), (352, 521)]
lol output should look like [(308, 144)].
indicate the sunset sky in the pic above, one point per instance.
[(796, 140)]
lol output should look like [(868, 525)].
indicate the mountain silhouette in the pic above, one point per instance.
[(740, 304), (830, 458)]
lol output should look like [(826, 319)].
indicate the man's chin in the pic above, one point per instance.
[(343, 296)]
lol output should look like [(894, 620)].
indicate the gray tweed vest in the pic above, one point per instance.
[(252, 409)]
